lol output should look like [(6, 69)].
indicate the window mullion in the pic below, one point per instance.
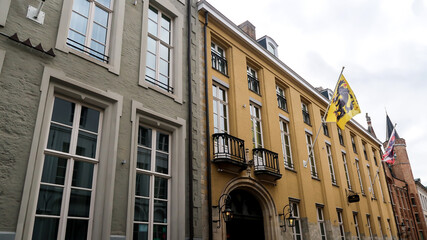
[(90, 24), (66, 199), (75, 130)]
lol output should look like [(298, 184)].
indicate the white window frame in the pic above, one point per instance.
[(341, 224), (356, 225), (331, 163), (254, 119), (353, 143), (370, 181), (53, 83), (389, 228), (347, 173), (380, 229), (304, 109), (284, 134), (114, 36), (368, 223), (280, 92), (311, 158), (176, 127), (220, 52), (321, 222), (4, 9), (177, 41), (365, 153), (340, 136), (297, 216), (359, 176), (251, 72), (220, 103)]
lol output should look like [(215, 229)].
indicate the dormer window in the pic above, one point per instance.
[(271, 48), (269, 44)]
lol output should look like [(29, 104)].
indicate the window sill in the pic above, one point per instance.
[(220, 72), (143, 83), (308, 124), (290, 169), (285, 110), (335, 185), (315, 178), (255, 92)]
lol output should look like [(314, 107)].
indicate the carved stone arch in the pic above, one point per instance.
[(266, 201)]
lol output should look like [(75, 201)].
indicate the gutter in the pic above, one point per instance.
[(190, 125)]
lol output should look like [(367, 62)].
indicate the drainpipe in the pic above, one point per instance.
[(208, 134), (190, 124)]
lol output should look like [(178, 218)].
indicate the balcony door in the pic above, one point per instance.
[(220, 117), (247, 222)]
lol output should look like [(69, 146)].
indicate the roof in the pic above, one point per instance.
[(227, 23)]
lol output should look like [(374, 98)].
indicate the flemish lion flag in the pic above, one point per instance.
[(343, 105)]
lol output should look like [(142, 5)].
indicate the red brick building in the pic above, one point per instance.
[(403, 192)]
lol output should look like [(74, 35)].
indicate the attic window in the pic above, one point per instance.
[(271, 48)]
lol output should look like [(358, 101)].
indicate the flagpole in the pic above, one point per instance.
[(323, 118)]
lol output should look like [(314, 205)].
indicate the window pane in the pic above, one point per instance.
[(59, 138), (166, 22), (160, 232), (79, 203), (106, 3), (144, 136), (78, 23), (140, 232), (144, 159), (151, 61), (54, 169), (152, 27), (76, 229), (99, 33), (89, 119), (164, 67), (45, 228), (161, 188), (101, 16), (152, 13), (63, 112), (160, 211), (161, 162), (50, 199), (141, 209), (165, 35), (164, 80), (150, 74), (81, 6), (142, 187), (99, 48), (151, 46), (86, 144), (164, 52), (82, 174), (80, 39), (162, 142)]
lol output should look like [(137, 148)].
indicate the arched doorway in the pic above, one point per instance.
[(247, 222)]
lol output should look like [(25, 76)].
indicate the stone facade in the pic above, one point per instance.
[(30, 80)]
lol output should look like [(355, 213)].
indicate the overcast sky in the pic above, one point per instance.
[(381, 43)]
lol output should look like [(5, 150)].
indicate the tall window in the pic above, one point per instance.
[(256, 126), (353, 144), (219, 61), (347, 176), (341, 224), (220, 109), (253, 82), (368, 222), (90, 27), (374, 153), (305, 113), (296, 230), (389, 227), (159, 49), (364, 151), (356, 225), (321, 221), (370, 181), (152, 188), (340, 136), (359, 176), (324, 125), (331, 163), (66, 193), (281, 99), (380, 228), (311, 155), (286, 144)]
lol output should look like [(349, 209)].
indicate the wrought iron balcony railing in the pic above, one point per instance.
[(92, 52), (253, 84), (266, 162), (219, 63), (281, 102), (229, 152)]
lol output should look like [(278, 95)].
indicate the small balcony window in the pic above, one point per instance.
[(305, 113), (253, 83), (281, 99), (219, 62)]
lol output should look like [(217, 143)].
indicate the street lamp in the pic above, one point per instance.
[(224, 209), (288, 217)]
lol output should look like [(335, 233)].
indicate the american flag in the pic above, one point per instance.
[(388, 156)]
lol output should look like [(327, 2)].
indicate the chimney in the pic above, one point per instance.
[(249, 29)]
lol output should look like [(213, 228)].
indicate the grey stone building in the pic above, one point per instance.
[(99, 133)]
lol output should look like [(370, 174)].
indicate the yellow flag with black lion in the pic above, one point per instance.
[(343, 104)]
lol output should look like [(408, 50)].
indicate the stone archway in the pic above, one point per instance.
[(269, 213)]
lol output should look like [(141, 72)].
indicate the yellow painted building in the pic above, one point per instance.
[(262, 117)]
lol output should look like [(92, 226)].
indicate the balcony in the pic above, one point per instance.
[(219, 63), (253, 84), (266, 164), (229, 153)]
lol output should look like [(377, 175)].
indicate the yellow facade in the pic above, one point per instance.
[(295, 184)]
